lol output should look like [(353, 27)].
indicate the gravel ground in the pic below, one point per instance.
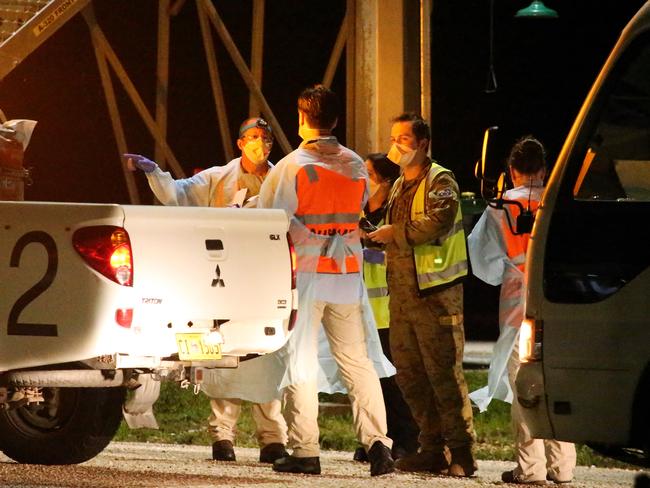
[(126, 464)]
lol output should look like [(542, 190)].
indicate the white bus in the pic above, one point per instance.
[(585, 340)]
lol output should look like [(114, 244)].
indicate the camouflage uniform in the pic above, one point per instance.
[(426, 329)]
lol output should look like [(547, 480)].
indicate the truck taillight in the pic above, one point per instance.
[(106, 249), (294, 262), (530, 341)]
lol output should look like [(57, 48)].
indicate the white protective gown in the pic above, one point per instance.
[(213, 187), (297, 362), (490, 263)]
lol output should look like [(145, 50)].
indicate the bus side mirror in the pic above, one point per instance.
[(481, 169)]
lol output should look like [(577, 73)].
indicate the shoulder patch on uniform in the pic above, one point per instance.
[(444, 193)]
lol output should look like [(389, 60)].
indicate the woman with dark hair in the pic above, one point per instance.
[(383, 173), (401, 426), (498, 257)]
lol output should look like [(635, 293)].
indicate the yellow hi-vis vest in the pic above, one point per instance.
[(374, 275), (442, 261)]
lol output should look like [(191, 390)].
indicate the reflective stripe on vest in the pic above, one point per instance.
[(440, 262), (516, 245), (374, 276), (322, 210)]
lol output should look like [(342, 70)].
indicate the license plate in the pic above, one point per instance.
[(193, 347)]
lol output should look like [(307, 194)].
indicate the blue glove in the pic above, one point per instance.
[(136, 161)]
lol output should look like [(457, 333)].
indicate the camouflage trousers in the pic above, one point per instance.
[(426, 342)]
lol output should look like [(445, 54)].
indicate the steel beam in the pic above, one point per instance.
[(37, 24)]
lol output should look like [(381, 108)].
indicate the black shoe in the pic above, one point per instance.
[(223, 451), (557, 481), (360, 455), (301, 465), (271, 452), (399, 452), (510, 477), (381, 460)]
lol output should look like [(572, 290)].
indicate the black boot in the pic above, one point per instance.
[(436, 462), (381, 460), (271, 452), (223, 451), (360, 455), (301, 465), (462, 464)]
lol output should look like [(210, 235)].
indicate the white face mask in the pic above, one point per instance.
[(254, 151), (373, 188), (401, 155)]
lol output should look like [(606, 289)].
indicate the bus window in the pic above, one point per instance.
[(593, 247), (616, 163)]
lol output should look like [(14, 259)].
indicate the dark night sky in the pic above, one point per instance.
[(544, 69)]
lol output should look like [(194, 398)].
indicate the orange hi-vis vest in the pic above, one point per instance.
[(517, 245), (329, 203)]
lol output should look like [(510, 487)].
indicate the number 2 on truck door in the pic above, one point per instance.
[(14, 327)]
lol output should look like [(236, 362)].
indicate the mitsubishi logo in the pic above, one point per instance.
[(217, 281)]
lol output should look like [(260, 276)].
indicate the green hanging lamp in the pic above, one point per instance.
[(538, 10)]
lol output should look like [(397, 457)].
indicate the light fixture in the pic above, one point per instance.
[(491, 85), (538, 10)]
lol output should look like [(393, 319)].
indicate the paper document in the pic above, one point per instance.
[(238, 199)]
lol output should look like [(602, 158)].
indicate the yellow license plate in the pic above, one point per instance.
[(193, 347)]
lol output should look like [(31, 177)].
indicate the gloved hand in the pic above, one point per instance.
[(136, 161)]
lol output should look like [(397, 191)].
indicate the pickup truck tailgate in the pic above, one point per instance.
[(195, 265), (193, 268)]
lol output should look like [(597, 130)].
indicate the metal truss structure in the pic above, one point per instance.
[(374, 63)]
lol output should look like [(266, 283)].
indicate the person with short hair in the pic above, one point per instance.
[(220, 186), (322, 186), (427, 261), (498, 257)]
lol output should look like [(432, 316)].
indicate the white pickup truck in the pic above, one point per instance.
[(97, 300)]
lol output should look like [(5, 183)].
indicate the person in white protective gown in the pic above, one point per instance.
[(498, 257), (323, 186), (236, 184)]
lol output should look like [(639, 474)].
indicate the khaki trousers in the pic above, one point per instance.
[(270, 424), (345, 332), (537, 458)]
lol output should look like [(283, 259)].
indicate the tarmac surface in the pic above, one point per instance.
[(126, 464)]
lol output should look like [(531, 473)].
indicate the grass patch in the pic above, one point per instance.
[(182, 417), (493, 428)]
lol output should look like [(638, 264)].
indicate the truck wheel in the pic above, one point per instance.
[(72, 425)]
